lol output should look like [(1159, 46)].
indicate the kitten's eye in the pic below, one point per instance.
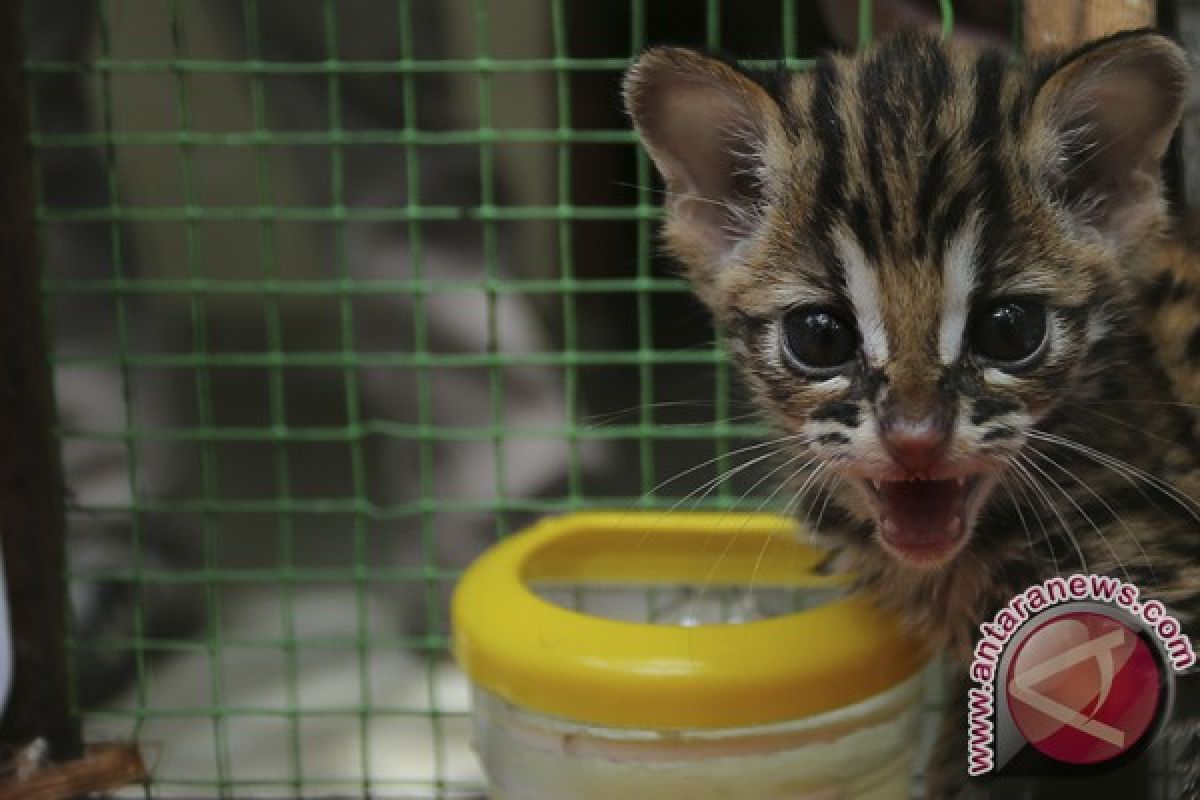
[(1009, 332), (818, 339)]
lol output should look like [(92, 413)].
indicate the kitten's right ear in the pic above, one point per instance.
[(707, 128)]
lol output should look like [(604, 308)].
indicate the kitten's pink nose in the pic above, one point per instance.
[(915, 446)]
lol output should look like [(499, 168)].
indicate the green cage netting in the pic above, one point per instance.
[(341, 292)]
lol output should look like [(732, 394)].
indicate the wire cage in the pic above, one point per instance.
[(341, 292)]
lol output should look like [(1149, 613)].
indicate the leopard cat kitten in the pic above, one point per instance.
[(948, 277)]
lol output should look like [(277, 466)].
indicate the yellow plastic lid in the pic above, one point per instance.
[(573, 665)]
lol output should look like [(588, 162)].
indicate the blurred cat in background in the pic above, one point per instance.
[(106, 472)]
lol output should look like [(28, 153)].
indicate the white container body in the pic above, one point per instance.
[(865, 752)]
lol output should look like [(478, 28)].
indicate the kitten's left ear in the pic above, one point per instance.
[(1111, 107)]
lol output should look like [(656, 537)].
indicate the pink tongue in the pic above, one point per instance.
[(920, 512)]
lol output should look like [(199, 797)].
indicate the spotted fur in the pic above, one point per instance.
[(907, 186)]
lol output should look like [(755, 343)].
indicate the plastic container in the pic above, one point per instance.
[(622, 656)]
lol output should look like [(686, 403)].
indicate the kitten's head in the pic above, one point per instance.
[(917, 252)]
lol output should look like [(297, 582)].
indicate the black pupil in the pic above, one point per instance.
[(1010, 332), (819, 338)]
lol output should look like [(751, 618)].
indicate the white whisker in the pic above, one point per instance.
[(729, 539), (1019, 464), (1025, 525), (1079, 508), (1123, 468)]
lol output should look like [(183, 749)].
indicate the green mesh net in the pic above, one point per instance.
[(341, 293)]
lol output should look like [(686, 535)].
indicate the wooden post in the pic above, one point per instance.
[(1187, 21), (32, 525), (1066, 23)]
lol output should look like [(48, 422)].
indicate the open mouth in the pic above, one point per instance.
[(923, 521)]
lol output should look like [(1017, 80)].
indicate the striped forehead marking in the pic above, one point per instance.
[(960, 276), (862, 287)]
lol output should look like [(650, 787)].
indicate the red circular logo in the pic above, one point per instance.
[(1084, 688)]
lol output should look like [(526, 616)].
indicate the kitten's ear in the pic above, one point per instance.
[(1111, 107), (707, 127)]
